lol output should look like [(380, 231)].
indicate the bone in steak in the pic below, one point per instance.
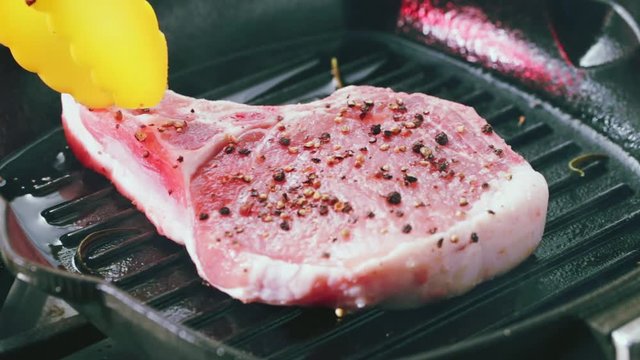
[(368, 196)]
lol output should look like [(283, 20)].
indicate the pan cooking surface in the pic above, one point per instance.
[(77, 221)]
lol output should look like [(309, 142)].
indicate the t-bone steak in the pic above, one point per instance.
[(367, 196)]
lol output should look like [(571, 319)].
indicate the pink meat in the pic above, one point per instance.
[(368, 196)]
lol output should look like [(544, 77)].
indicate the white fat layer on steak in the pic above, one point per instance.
[(133, 181)]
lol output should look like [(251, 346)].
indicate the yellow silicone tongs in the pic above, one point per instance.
[(102, 52)]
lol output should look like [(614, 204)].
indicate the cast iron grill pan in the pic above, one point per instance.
[(78, 223)]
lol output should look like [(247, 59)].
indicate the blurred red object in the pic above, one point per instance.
[(467, 31)]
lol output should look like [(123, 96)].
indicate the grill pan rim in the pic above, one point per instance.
[(83, 292), (96, 289)]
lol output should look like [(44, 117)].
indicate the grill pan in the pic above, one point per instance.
[(68, 232)]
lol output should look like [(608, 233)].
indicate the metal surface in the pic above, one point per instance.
[(626, 341), (152, 299)]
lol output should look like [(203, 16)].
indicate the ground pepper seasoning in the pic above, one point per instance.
[(394, 198)]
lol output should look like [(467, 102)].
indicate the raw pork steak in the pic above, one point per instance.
[(367, 196)]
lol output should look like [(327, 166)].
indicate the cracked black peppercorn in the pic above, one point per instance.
[(285, 226), (442, 138), (376, 129), (474, 237), (284, 141), (279, 175), (224, 211), (347, 208), (394, 198), (487, 129), (442, 166), (325, 137), (203, 216), (406, 229), (419, 119), (229, 149), (408, 179)]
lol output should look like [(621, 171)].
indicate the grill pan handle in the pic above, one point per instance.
[(53, 281), (613, 315), (626, 340)]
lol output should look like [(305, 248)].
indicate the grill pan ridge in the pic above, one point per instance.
[(90, 246)]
